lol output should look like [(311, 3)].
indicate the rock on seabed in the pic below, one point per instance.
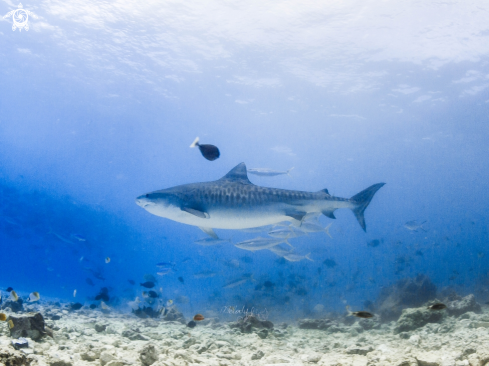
[(81, 340)]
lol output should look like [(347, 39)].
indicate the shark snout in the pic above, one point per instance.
[(144, 201)]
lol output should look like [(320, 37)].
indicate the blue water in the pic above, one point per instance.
[(99, 104)]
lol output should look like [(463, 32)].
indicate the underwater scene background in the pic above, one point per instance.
[(101, 100)]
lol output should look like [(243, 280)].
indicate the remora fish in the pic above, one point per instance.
[(259, 244), (233, 202), (264, 172)]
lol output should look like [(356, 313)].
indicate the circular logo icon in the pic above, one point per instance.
[(20, 18)]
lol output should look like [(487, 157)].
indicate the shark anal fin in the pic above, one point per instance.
[(329, 214), (209, 231), (193, 211), (297, 215)]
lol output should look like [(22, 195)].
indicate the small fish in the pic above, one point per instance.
[(362, 314), (165, 264), (78, 237), (239, 281), (150, 278), (3, 317), (373, 243), (181, 279), (330, 263), (280, 251), (89, 281), (198, 317), (265, 172), (414, 226), (147, 284), (74, 293), (60, 237), (259, 244), (107, 260), (163, 272), (191, 324), (9, 289), (210, 152), (233, 263), (211, 241), (205, 274), (34, 296), (10, 324), (104, 306), (13, 296), (152, 294), (437, 306), (131, 282), (296, 257), (310, 227), (286, 233), (169, 303), (359, 314), (76, 306)]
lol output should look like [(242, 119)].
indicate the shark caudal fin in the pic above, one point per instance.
[(362, 200)]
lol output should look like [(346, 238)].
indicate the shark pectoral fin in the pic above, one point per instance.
[(209, 231), (329, 214), (297, 215), (193, 211)]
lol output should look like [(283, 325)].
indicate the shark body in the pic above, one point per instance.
[(233, 202)]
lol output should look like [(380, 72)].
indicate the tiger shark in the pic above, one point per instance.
[(233, 202)]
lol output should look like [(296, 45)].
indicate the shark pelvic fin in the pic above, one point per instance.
[(193, 211), (209, 231), (329, 214), (297, 215), (361, 200), (238, 174)]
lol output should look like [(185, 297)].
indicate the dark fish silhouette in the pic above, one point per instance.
[(181, 279), (76, 306), (437, 306), (152, 294), (359, 314), (93, 306), (90, 282), (191, 324), (148, 284), (9, 289), (210, 152)]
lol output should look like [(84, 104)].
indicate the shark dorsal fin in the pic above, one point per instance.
[(238, 174)]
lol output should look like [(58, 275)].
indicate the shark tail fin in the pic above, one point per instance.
[(326, 230), (362, 200), (288, 171), (195, 143)]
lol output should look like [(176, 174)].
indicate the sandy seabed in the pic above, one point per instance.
[(91, 337)]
